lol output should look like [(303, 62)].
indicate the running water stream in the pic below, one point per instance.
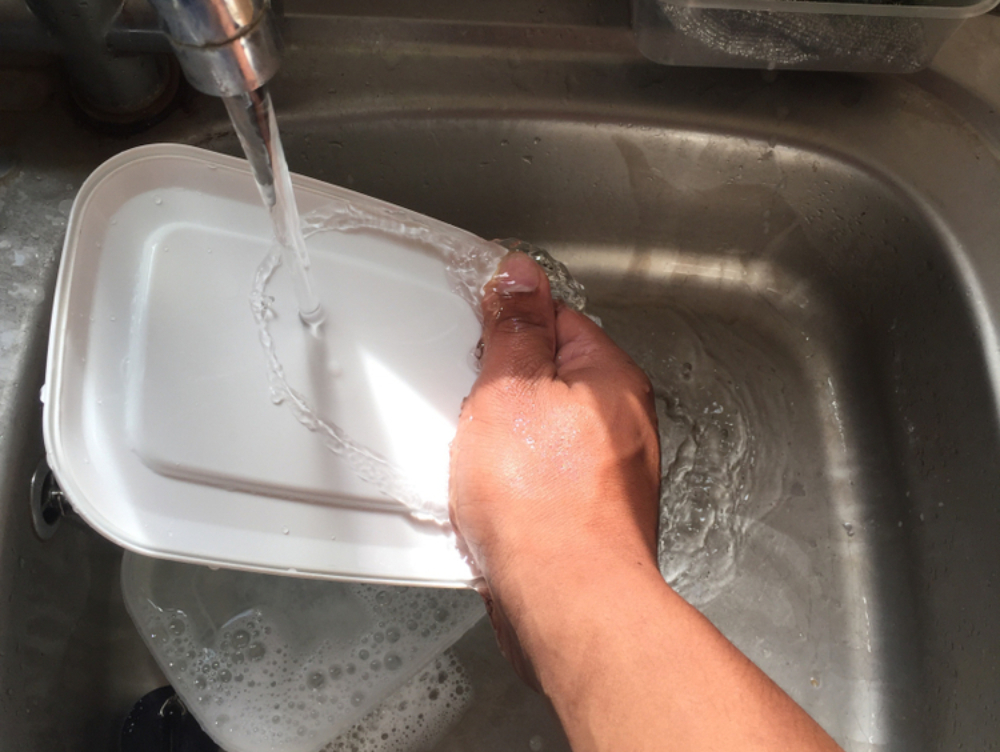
[(253, 118)]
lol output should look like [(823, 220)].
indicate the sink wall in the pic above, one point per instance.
[(851, 297)]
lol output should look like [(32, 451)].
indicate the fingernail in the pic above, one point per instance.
[(517, 273)]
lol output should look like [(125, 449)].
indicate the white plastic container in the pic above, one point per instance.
[(158, 420), (272, 664), (798, 34)]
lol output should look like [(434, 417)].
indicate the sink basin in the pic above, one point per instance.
[(807, 266)]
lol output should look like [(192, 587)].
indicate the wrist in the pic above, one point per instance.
[(564, 607), (529, 574)]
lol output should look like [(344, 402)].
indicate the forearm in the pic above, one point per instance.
[(629, 665)]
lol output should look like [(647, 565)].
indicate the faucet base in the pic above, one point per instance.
[(125, 122)]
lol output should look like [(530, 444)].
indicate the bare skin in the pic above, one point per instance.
[(554, 491)]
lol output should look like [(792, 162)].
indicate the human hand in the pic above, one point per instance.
[(555, 467), (555, 475)]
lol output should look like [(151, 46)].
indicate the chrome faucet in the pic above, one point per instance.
[(226, 48), (114, 52), (230, 49)]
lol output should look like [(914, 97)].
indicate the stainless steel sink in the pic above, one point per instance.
[(807, 265)]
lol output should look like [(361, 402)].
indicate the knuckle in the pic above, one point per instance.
[(513, 387), (516, 321)]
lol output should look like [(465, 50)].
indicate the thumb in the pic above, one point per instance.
[(519, 321)]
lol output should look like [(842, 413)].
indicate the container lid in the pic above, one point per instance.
[(159, 419)]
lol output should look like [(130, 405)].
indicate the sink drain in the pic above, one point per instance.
[(159, 722), (48, 502)]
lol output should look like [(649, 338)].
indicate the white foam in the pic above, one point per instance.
[(415, 716), (272, 663)]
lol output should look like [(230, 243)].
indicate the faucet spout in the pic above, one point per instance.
[(226, 48)]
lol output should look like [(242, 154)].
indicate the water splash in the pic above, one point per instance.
[(563, 285), (704, 489), (253, 119), (719, 471)]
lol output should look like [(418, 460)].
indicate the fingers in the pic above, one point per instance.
[(519, 331), (585, 353), (581, 345)]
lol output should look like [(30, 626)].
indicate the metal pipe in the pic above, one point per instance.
[(108, 85)]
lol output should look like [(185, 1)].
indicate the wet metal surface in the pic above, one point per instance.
[(807, 265)]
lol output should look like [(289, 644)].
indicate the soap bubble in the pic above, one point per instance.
[(316, 665)]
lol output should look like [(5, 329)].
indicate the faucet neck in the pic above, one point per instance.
[(225, 47)]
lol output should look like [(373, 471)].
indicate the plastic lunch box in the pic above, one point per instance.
[(158, 420)]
